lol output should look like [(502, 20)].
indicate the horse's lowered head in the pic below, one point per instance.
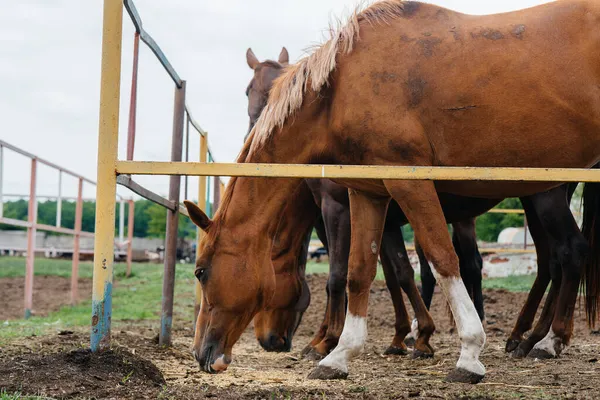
[(264, 74), (234, 288), (275, 327)]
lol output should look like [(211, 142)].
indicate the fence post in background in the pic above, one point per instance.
[(216, 193), (1, 181), (121, 222), (524, 231), (59, 200), (76, 242), (187, 152), (31, 233), (209, 210), (166, 320), (130, 222), (133, 99), (108, 139), (202, 204)]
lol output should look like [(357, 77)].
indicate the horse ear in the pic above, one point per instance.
[(197, 216), (304, 300), (284, 57), (251, 59)]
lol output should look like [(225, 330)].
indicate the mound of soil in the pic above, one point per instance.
[(81, 373)]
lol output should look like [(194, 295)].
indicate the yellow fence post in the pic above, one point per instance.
[(108, 135), (202, 205)]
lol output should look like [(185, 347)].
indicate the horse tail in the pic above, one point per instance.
[(591, 231)]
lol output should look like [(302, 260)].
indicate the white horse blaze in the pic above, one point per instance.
[(351, 344), (470, 330)]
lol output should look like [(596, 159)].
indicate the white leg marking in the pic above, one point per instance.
[(351, 344), (414, 330), (470, 330), (549, 343)]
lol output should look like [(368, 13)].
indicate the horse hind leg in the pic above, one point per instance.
[(536, 293), (571, 250), (427, 288), (419, 201), (368, 217), (395, 257), (402, 323)]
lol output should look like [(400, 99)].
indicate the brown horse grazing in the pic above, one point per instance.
[(401, 95), (274, 327)]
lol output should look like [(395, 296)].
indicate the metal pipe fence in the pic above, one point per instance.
[(111, 170), (32, 225)]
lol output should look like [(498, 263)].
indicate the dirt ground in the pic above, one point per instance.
[(50, 293), (58, 366)]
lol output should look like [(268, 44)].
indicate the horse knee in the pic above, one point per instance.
[(572, 257), (336, 284)]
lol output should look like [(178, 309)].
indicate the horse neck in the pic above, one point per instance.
[(297, 220), (257, 204)]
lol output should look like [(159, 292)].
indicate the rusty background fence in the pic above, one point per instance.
[(33, 226)]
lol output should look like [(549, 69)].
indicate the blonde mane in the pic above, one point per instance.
[(313, 71)]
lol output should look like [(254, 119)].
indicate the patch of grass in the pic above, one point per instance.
[(135, 298), (516, 283), (13, 267), (18, 396)]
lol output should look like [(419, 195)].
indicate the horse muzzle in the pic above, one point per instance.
[(212, 361), (276, 343)]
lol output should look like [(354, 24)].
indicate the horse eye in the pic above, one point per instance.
[(200, 273)]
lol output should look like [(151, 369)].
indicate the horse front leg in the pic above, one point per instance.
[(367, 220), (420, 203)]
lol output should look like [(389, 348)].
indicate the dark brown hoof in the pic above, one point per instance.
[(306, 350), (460, 375), (395, 351), (313, 355), (511, 345), (540, 354), (410, 341), (327, 373), (520, 352), (420, 354)]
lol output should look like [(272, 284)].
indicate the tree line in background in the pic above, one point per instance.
[(149, 218)]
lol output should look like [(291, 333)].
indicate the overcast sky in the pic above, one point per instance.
[(50, 74)]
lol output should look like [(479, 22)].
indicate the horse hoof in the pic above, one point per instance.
[(395, 351), (460, 375), (420, 354), (540, 354), (312, 355), (519, 352), (511, 345), (327, 373), (306, 350), (410, 341)]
